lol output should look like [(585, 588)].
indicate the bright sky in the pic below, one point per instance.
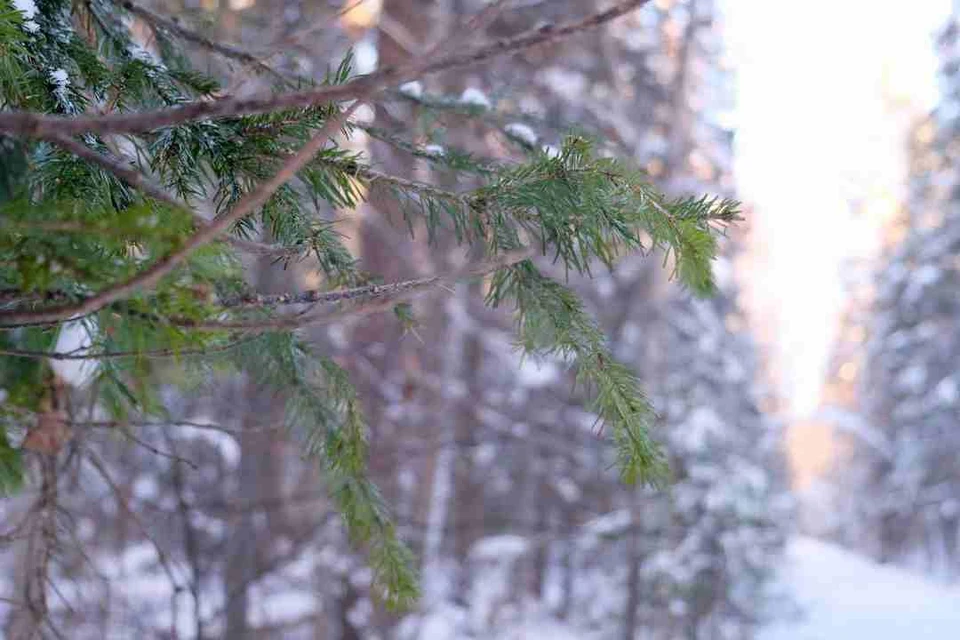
[(817, 129)]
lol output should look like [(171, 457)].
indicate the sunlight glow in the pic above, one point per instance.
[(826, 91)]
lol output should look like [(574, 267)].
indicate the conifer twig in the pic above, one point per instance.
[(37, 125)]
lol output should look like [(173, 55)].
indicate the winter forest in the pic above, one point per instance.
[(479, 319)]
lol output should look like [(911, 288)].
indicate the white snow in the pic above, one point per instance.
[(145, 487), (60, 78), (845, 597), (29, 11), (499, 547), (567, 84), (26, 7), (912, 378), (946, 391), (74, 338), (138, 52), (434, 150), (537, 373), (927, 274), (413, 89), (224, 442), (475, 98), (521, 132), (365, 56), (609, 524), (551, 150), (567, 489)]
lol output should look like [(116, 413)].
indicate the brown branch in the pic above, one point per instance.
[(40, 548), (119, 424), (380, 298), (158, 452), (327, 297), (30, 124), (109, 355), (124, 504)]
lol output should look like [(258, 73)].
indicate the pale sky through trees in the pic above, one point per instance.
[(825, 90)]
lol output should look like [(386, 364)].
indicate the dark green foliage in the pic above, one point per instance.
[(70, 229)]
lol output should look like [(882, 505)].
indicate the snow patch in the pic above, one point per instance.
[(60, 80), (947, 392), (225, 443), (74, 338), (567, 489), (29, 11), (364, 114), (499, 547), (475, 98), (26, 7), (610, 524), (842, 595), (412, 89), (568, 84), (913, 378), (521, 132), (366, 57), (536, 374), (552, 151)]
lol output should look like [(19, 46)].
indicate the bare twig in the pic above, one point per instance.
[(119, 424), (30, 124), (162, 557), (158, 452), (173, 26)]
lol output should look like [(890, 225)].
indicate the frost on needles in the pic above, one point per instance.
[(103, 230)]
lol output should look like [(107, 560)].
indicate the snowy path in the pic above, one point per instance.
[(846, 597)]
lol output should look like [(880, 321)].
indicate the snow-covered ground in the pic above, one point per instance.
[(843, 596)]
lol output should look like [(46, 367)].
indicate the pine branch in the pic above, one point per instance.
[(30, 124)]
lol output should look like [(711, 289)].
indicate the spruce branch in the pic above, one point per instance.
[(149, 277), (30, 124)]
